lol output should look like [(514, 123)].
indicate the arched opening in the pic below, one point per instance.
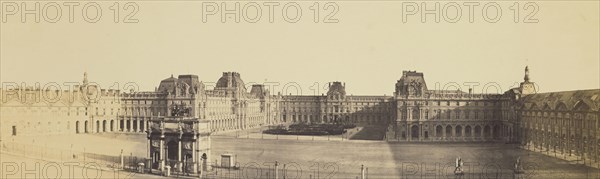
[(486, 131), (135, 125), (448, 131), (104, 126), (458, 131), (426, 134), (112, 125), (468, 131), (403, 134), (414, 132), (85, 126), (77, 127), (155, 160), (439, 131), (496, 131), (188, 162), (97, 126), (477, 131), (172, 153)]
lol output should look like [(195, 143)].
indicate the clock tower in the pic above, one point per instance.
[(527, 87)]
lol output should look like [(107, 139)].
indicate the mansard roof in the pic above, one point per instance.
[(259, 90), (189, 82), (571, 100), (336, 88), (231, 80)]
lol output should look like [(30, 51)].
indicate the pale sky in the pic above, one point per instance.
[(367, 49)]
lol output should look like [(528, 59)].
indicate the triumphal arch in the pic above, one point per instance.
[(179, 142)]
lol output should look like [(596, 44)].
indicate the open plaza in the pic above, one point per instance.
[(295, 156)]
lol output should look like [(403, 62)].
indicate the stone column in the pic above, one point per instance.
[(162, 153), (149, 160), (139, 126), (147, 122), (421, 132), (179, 164), (200, 160), (194, 154), (444, 132), (149, 143), (408, 132), (482, 133), (492, 132), (207, 151), (453, 132), (462, 131), (130, 128)]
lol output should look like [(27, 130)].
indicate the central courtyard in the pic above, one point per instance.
[(305, 157), (343, 159)]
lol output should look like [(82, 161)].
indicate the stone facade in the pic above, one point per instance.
[(30, 111), (437, 115), (565, 123), (337, 107), (413, 113)]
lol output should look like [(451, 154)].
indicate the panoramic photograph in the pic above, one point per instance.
[(307, 89)]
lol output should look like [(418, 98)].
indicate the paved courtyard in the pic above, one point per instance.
[(395, 160), (343, 159)]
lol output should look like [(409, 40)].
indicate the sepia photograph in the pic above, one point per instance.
[(300, 89)]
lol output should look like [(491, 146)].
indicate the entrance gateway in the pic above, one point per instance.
[(181, 143)]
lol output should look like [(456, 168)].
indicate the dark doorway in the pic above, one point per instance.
[(468, 131), (104, 126), (172, 150), (155, 160), (14, 130), (414, 132), (439, 131), (458, 131), (77, 127), (85, 126)]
